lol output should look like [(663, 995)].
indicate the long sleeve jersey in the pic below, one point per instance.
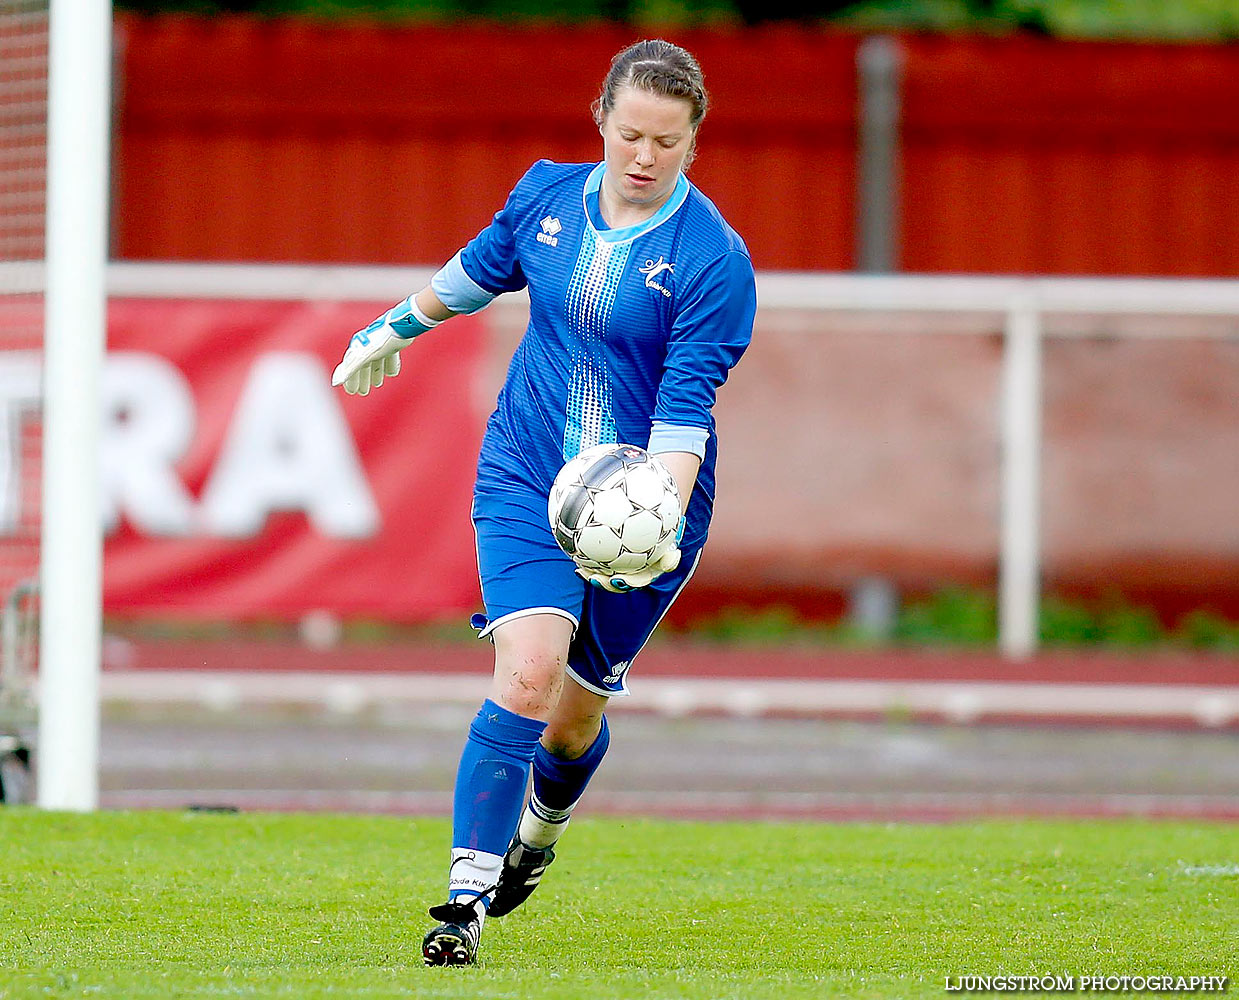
[(631, 331)]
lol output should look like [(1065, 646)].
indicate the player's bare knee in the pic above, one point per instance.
[(531, 668), (535, 701), (530, 654), (566, 746), (529, 684), (570, 738), (576, 721)]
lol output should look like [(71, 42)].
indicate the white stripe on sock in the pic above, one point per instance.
[(541, 826)]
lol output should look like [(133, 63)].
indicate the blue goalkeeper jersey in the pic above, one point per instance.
[(630, 329)]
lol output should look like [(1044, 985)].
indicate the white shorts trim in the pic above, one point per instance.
[(623, 693), (526, 612)]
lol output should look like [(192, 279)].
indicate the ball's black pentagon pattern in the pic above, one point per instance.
[(614, 508)]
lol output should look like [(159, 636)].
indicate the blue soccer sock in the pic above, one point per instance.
[(490, 789), (557, 787)]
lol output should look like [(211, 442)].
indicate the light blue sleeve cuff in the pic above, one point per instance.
[(457, 290), (675, 437)]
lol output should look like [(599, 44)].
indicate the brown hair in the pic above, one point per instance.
[(660, 68)]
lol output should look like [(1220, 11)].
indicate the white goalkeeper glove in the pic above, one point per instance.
[(622, 583), (373, 354)]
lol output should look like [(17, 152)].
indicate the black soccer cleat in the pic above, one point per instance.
[(522, 871), (455, 940)]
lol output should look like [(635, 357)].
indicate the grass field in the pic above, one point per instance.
[(146, 905)]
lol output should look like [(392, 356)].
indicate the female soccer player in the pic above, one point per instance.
[(641, 300)]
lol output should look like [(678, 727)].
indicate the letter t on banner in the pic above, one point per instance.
[(71, 571)]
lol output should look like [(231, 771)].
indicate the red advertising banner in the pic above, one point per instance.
[(238, 483)]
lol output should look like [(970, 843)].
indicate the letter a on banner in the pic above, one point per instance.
[(289, 448)]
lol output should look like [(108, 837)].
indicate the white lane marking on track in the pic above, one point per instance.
[(953, 700), (910, 806)]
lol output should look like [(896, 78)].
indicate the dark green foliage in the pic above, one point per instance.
[(962, 617), (1067, 623), (1145, 19), (953, 616), (1205, 630)]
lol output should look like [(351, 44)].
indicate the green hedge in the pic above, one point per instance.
[(959, 617), (1115, 19)]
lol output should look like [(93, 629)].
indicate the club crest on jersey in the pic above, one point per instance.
[(550, 227), (652, 269)]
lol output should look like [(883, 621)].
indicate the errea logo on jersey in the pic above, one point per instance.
[(550, 226), (652, 269)]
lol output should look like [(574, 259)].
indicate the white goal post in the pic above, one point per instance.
[(78, 130), (1019, 304)]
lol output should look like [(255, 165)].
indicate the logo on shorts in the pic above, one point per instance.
[(616, 676)]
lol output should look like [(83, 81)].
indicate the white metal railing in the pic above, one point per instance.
[(1020, 303)]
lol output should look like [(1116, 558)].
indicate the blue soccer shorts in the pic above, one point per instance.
[(523, 572)]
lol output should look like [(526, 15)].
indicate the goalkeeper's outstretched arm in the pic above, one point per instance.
[(373, 353), (432, 306)]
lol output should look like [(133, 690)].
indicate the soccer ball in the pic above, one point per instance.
[(614, 508)]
